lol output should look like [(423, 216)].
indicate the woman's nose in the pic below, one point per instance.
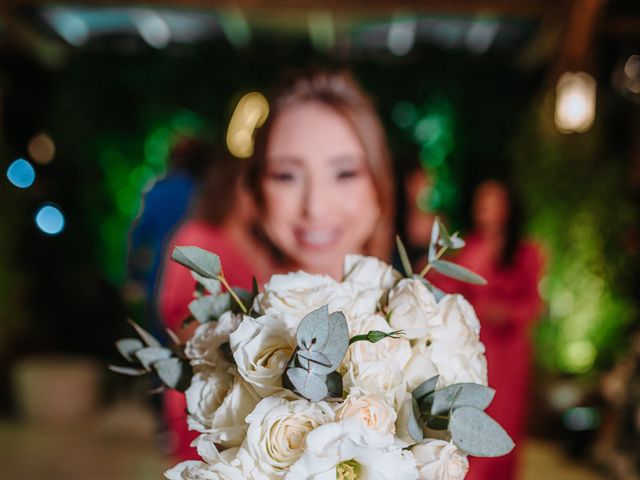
[(315, 202)]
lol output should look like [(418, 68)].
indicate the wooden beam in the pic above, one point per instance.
[(503, 8)]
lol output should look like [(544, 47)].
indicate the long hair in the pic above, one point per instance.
[(217, 195), (340, 92)]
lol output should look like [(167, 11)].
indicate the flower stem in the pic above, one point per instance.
[(232, 293), (426, 269)]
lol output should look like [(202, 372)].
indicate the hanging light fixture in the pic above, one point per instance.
[(575, 108)]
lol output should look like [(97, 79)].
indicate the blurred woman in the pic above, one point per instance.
[(506, 307), (221, 222), (322, 178), (322, 175)]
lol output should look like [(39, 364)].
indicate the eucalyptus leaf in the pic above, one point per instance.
[(134, 372), (210, 307), (459, 395), (149, 339), (149, 355), (255, 287), (174, 373), (198, 260), (245, 296), (425, 388), (439, 422), (404, 257), (413, 425), (309, 385), (334, 385), (338, 340), (475, 432), (173, 337), (458, 272), (212, 285), (457, 242), (445, 238), (310, 360), (313, 330), (435, 234), (128, 346)]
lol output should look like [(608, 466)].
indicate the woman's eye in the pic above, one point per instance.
[(282, 176), (347, 174)]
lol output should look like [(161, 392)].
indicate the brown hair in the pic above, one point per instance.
[(218, 189), (339, 91)]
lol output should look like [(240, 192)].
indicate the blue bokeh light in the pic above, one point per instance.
[(21, 173), (50, 219)]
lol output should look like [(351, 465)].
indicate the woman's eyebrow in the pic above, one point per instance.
[(340, 160), (284, 160)]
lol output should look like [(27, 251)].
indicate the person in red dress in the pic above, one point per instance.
[(506, 307), (221, 223)]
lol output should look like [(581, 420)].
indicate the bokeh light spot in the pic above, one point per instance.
[(41, 148), (50, 219), (21, 173)]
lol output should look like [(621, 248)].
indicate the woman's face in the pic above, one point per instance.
[(491, 207), (321, 202)]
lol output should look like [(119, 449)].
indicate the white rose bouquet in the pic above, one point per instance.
[(379, 376)]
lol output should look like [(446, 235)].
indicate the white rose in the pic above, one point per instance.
[(369, 271), (261, 348), (230, 464), (383, 378), (453, 343), (228, 426), (420, 368), (374, 410), (289, 298), (204, 347), (204, 396), (396, 350), (411, 305), (440, 460), (278, 429), (191, 470), (348, 449)]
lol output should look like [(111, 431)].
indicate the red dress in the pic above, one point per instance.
[(175, 293), (513, 291)]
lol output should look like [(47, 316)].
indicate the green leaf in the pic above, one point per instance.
[(245, 296), (458, 272), (404, 258), (255, 287), (435, 234), (313, 330), (425, 388), (459, 395), (476, 433), (309, 360), (338, 340), (212, 286), (134, 372), (148, 356), (413, 425), (146, 336), (457, 242), (334, 385), (174, 373), (128, 346), (198, 260), (309, 385), (211, 307)]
